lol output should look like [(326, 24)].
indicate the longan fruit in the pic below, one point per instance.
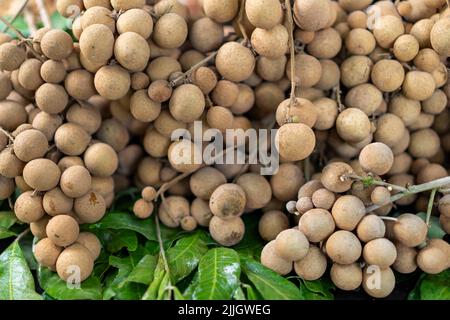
[(312, 15), (300, 111), (41, 174), (378, 283), (30, 144), (271, 259), (271, 43), (424, 143), (346, 277), (308, 70), (221, 11), (155, 144), (173, 210), (431, 172), (127, 23), (317, 224), (380, 196), (440, 75), (403, 180), (348, 211), (205, 78), (182, 156), (112, 82), (29, 74), (91, 242), (356, 70), (63, 230), (410, 230), (312, 266), (304, 204), (148, 171), (75, 181), (271, 224), (80, 84), (268, 97), (38, 228), (235, 62), (225, 93), (190, 58), (291, 245), (444, 205), (228, 201), (205, 181), (85, 116), (418, 85), (327, 43), (161, 68), (371, 227), (287, 181), (51, 98), (387, 29), (114, 133), (6, 85), (295, 141), (188, 224), (436, 104), (160, 91), (380, 252), (127, 4), (56, 44), (55, 202), (97, 43), (376, 158), (71, 139), (201, 212), (327, 113), (7, 187), (28, 207), (10, 165), (187, 103), (47, 253), (148, 194), (424, 121), (53, 71), (388, 75), (77, 256), (220, 118), (132, 51), (139, 81), (245, 100), (421, 31), (406, 48), (360, 42), (390, 130), (258, 191), (101, 160), (97, 3), (366, 97), (406, 259), (439, 40), (143, 108), (206, 35), (67, 7), (227, 232), (47, 124), (343, 247), (427, 60), (170, 31), (90, 208), (406, 109), (432, 260), (323, 199), (98, 15), (67, 162), (353, 125), (332, 174), (271, 69), (11, 56), (143, 209)]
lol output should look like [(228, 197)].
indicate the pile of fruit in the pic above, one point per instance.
[(356, 90)]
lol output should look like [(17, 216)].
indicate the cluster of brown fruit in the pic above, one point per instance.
[(141, 70)]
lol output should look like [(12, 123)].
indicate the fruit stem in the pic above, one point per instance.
[(6, 133), (291, 49), (22, 7), (371, 181), (389, 218), (241, 19), (337, 93), (430, 206), (23, 234), (201, 63)]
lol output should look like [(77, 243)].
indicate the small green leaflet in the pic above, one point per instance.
[(126, 221), (432, 287), (7, 220), (184, 257), (144, 270), (152, 291), (435, 231), (119, 239), (316, 290), (269, 284), (218, 275), (16, 280), (90, 289)]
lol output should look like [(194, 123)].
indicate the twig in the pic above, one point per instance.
[(338, 92), (166, 186), (22, 7), (23, 234), (162, 252), (292, 50), (389, 218), (184, 76), (44, 14), (430, 206), (241, 19), (6, 133), (373, 181)]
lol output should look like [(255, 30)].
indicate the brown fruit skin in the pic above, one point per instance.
[(143, 108), (47, 253), (75, 181), (356, 70), (228, 201), (90, 208), (371, 227), (143, 209), (112, 82), (29, 74), (205, 181), (271, 260), (41, 174), (308, 70), (53, 71), (331, 177), (296, 141), (11, 56), (132, 51), (258, 191), (30, 145), (444, 205), (353, 125), (312, 15), (221, 11), (348, 211), (419, 149), (406, 259), (346, 277), (187, 103), (51, 98), (57, 44), (376, 158), (439, 40), (312, 266), (66, 7), (28, 208), (390, 130), (101, 160), (271, 224), (7, 187), (433, 260), (63, 230), (227, 232), (76, 255), (86, 116), (317, 224), (55, 202), (265, 15), (80, 84), (13, 115), (299, 111), (287, 181), (366, 97), (418, 85), (71, 139), (5, 86), (235, 62), (10, 165), (343, 247), (271, 43), (97, 43), (47, 124), (380, 252), (170, 31), (291, 245), (91, 242), (201, 212), (410, 230), (378, 283), (206, 35)]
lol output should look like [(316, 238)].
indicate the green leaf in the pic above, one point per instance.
[(90, 289), (218, 275), (184, 257), (152, 291), (144, 270), (5, 233), (7, 219), (316, 290), (27, 244), (252, 294), (19, 24), (435, 287), (119, 239), (59, 22), (16, 280), (269, 284), (126, 221), (239, 294), (435, 231)]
